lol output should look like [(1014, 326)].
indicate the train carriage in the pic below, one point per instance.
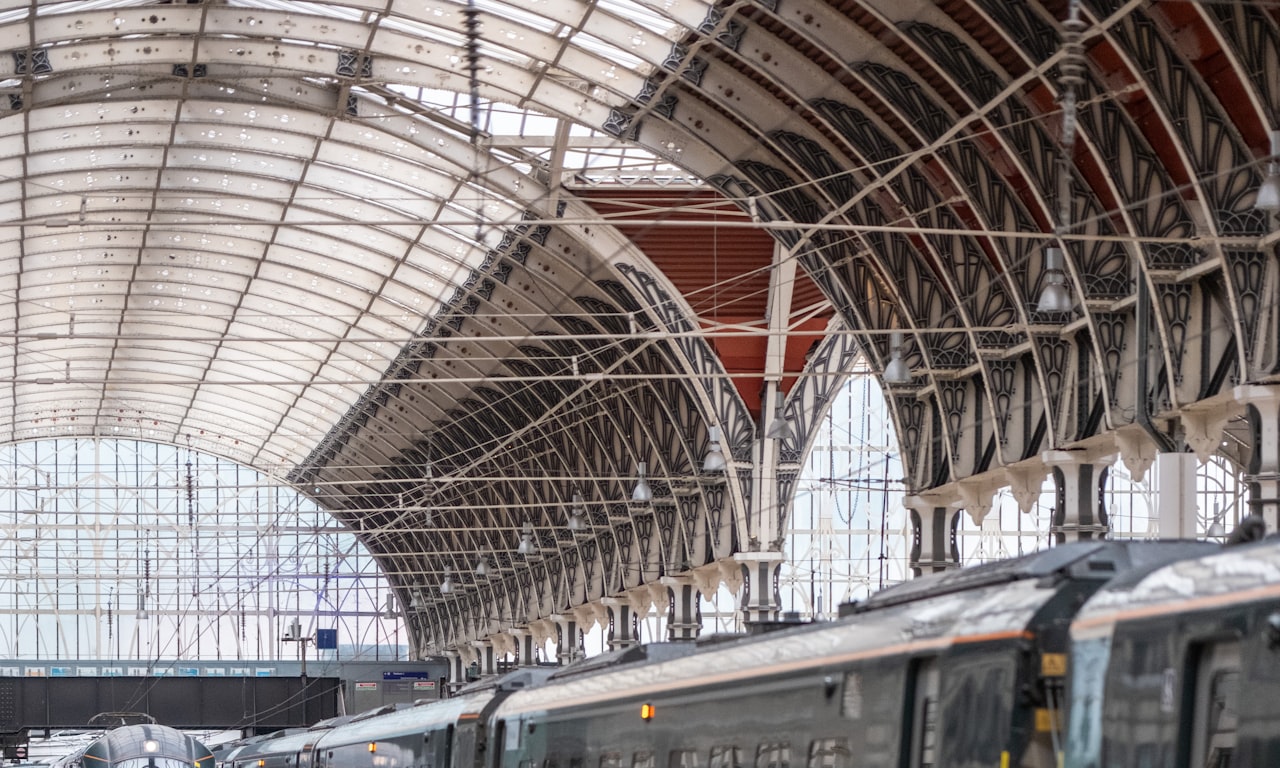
[(1181, 667), (960, 669), (450, 733)]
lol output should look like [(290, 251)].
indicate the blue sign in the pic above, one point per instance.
[(327, 639), (411, 675)]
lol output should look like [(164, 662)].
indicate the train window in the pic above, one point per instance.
[(725, 757), (924, 714), (642, 760), (775, 754), (1217, 694), (611, 760), (683, 758), (829, 753)]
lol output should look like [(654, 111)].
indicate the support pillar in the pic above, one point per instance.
[(684, 617), (1078, 513), (1175, 480), (523, 639), (485, 655), (457, 671), (934, 547), (623, 632), (568, 639), (761, 601), (1263, 473)]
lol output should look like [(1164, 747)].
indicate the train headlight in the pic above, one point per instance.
[(646, 711), (150, 745)]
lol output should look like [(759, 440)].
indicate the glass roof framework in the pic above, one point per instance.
[(238, 229), (228, 221), (916, 158)]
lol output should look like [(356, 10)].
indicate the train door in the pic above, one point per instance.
[(1214, 707), (924, 713)]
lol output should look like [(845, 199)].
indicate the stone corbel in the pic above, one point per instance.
[(1204, 424), (591, 615), (1137, 451), (978, 497), (1026, 483), (640, 599)]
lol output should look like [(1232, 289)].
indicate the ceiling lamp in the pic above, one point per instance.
[(780, 425), (415, 598), (577, 513), (390, 611), (1054, 296), (714, 461), (526, 540), (1268, 198), (896, 372), (642, 492), (446, 586), (482, 564)]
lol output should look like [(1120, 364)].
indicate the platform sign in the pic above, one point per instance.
[(413, 674), (327, 639), (424, 685), (366, 686)]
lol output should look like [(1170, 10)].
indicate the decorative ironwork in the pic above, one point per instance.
[(1175, 308), (957, 58), (354, 63), (904, 92), (953, 400), (1002, 383), (619, 123), (1024, 26), (1054, 355), (35, 62), (182, 70), (1248, 271), (1110, 328)]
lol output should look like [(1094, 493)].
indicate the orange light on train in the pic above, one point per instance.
[(646, 711), (373, 747)]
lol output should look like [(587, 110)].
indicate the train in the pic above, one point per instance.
[(1094, 654), (141, 745)]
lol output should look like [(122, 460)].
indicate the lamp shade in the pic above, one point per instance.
[(641, 492), (714, 460), (1054, 296), (897, 371)]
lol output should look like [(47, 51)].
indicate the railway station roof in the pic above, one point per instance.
[(455, 268)]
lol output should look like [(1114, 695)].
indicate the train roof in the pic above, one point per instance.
[(1091, 560), (281, 742), (522, 677), (1233, 574), (148, 740), (636, 654), (421, 717)]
